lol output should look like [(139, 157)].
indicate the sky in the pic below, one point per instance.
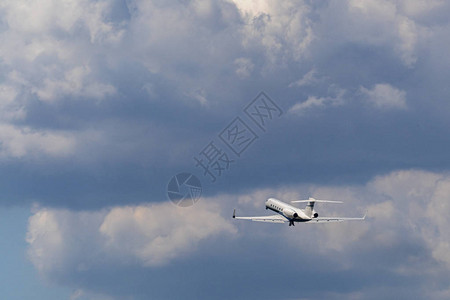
[(104, 103)]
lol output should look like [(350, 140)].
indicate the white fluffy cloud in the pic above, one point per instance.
[(422, 201), (159, 233), (307, 79), (46, 53), (406, 211), (381, 23), (408, 206), (75, 83), (335, 98), (401, 206), (46, 48), (283, 30), (407, 202), (68, 241), (385, 96), (17, 142)]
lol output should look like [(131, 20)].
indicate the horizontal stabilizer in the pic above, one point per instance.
[(316, 200)]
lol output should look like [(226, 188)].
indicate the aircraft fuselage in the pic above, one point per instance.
[(291, 212)]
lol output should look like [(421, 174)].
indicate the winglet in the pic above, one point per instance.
[(234, 213)]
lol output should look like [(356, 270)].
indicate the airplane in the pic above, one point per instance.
[(292, 214)]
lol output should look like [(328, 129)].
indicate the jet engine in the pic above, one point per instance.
[(290, 213), (315, 214)]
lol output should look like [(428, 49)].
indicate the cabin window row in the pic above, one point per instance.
[(279, 208)]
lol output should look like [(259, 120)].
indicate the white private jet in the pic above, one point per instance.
[(291, 214)]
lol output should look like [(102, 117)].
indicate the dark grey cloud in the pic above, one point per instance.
[(136, 89)]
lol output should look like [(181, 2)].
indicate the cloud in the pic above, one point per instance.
[(56, 41), (310, 102), (17, 142), (404, 237), (374, 21), (421, 7), (156, 235), (135, 82), (67, 16), (75, 83), (283, 31), (385, 96), (412, 203), (114, 97), (253, 8), (62, 241), (307, 79), (10, 108), (244, 67), (314, 102), (425, 196)]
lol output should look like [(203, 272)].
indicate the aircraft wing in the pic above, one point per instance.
[(334, 219), (269, 219)]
